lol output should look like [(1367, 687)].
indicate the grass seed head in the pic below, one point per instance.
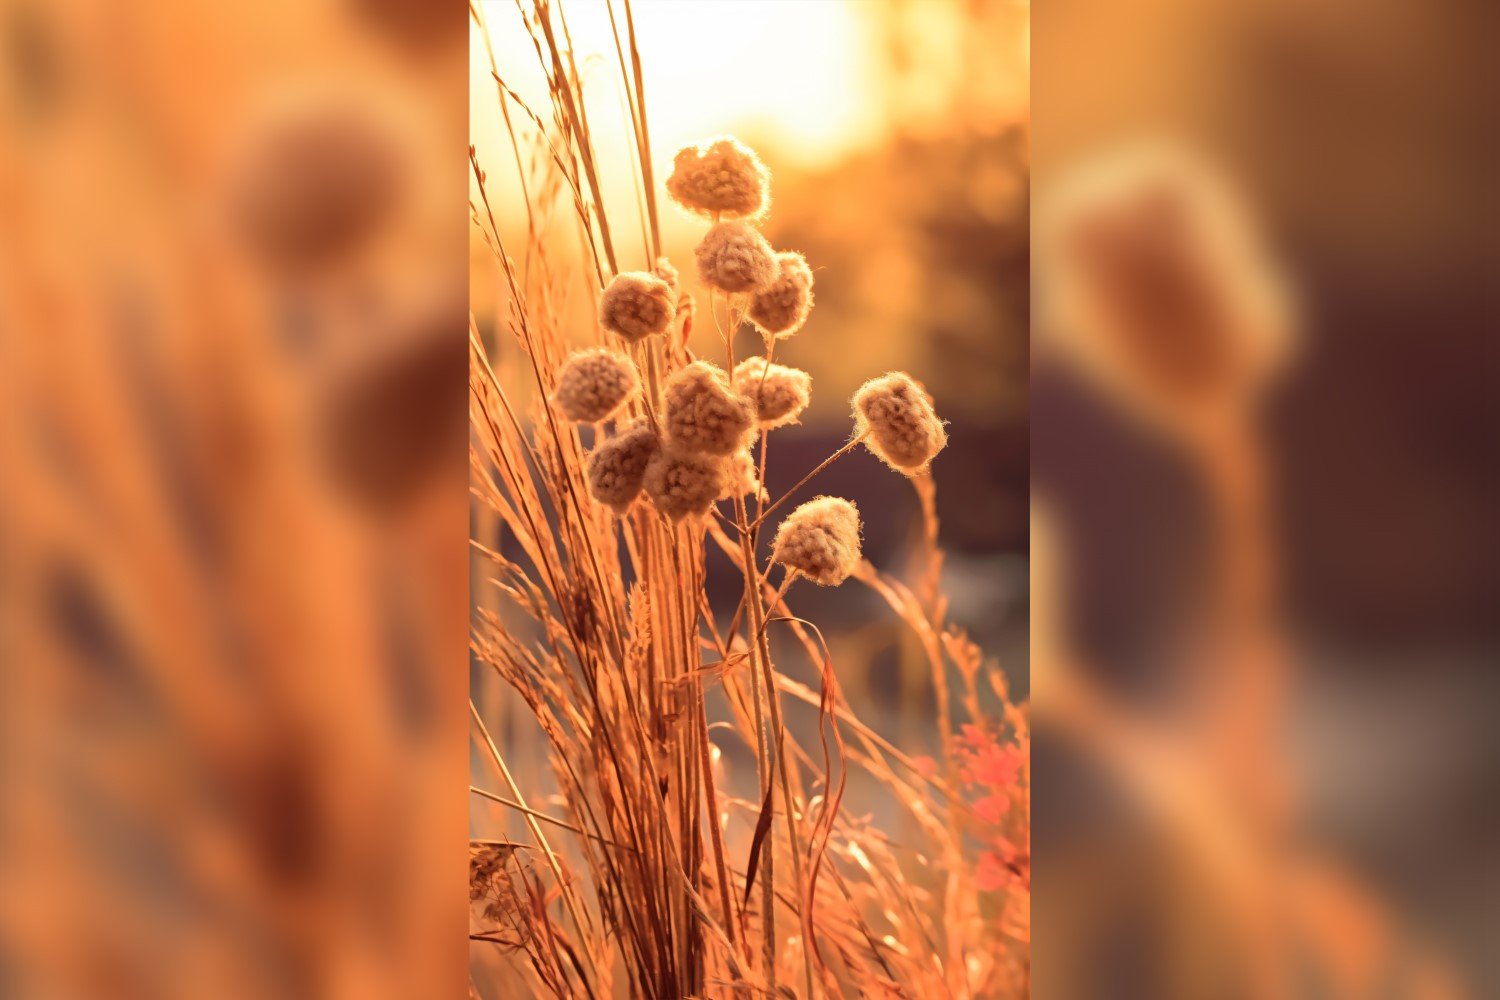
[(779, 393), (592, 385), (733, 257), (720, 177), (903, 429), (684, 484), (704, 415), (780, 308), (637, 304), (820, 540), (617, 467)]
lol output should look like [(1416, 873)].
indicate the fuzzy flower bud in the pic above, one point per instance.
[(720, 177), (779, 393), (820, 540), (896, 414), (592, 385), (682, 484), (735, 258), (617, 467), (740, 479), (704, 415), (780, 308), (637, 304)]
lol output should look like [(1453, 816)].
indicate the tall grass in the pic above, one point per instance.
[(647, 866)]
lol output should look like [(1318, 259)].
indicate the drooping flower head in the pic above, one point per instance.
[(779, 393), (820, 540), (901, 427), (720, 177), (617, 467), (684, 484), (637, 304), (780, 308), (704, 415), (733, 257), (592, 385)]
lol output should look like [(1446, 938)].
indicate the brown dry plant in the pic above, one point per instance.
[(657, 862)]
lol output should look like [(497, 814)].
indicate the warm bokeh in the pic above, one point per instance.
[(232, 499), (1265, 543)]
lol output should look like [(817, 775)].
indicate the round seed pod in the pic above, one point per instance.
[(617, 467), (704, 415), (820, 540), (637, 304), (592, 385), (720, 178), (683, 484), (779, 393), (735, 258), (780, 308), (902, 428)]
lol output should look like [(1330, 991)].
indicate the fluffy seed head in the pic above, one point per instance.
[(720, 177), (820, 540), (704, 415), (903, 430), (779, 393), (592, 385), (735, 258), (637, 304), (683, 484), (740, 477), (618, 466), (780, 308)]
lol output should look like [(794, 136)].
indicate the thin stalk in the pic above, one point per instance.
[(846, 449), (778, 729), (541, 838)]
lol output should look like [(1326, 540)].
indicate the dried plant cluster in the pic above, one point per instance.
[(646, 865)]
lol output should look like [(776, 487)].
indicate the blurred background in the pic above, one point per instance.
[(232, 499), (1360, 138)]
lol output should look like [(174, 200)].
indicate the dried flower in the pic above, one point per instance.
[(779, 393), (735, 258), (740, 478), (720, 177), (895, 413), (637, 304), (780, 308), (703, 414), (1158, 282), (683, 484), (592, 385), (319, 182), (617, 467), (820, 540)]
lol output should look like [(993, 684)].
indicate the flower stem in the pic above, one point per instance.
[(847, 447)]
